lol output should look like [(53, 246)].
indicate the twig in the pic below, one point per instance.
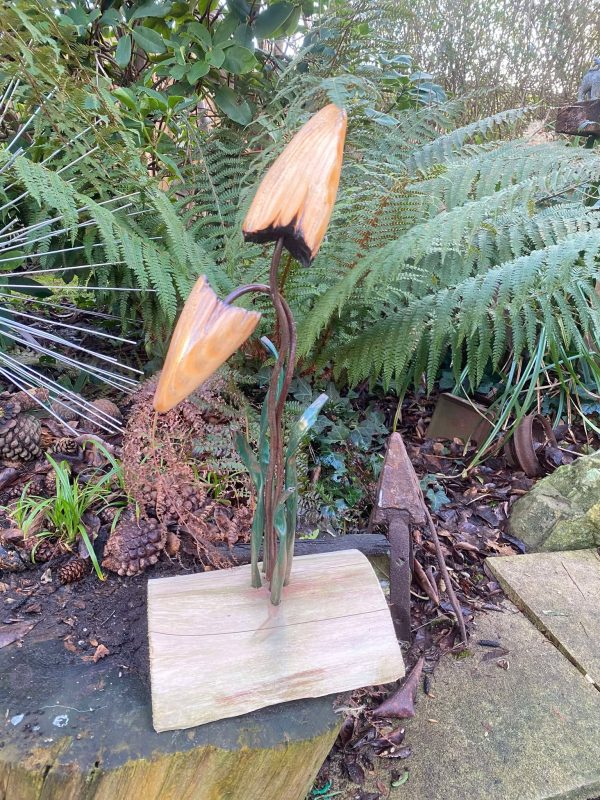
[(426, 584), (444, 570)]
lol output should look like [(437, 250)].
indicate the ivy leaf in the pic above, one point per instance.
[(236, 108), (155, 8), (123, 51), (149, 40), (198, 70), (271, 19), (239, 60)]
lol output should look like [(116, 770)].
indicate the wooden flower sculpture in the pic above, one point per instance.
[(207, 333), (297, 195), (292, 207)]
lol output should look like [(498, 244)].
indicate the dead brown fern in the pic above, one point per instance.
[(182, 467)]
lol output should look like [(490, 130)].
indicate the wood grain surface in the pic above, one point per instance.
[(218, 648)]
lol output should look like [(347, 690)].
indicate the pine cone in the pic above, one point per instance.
[(173, 503), (74, 570), (19, 434), (134, 545), (36, 396), (107, 514), (42, 550), (107, 407), (50, 483), (65, 445), (65, 411)]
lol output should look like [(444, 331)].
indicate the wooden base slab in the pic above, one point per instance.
[(218, 648)]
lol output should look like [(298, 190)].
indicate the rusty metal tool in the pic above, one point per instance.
[(399, 504)]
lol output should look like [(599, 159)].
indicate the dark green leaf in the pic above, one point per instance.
[(11, 259), (225, 30), (123, 51), (200, 34), (216, 57), (271, 19), (127, 97), (110, 17), (235, 107), (28, 286), (243, 35), (291, 23), (154, 8), (149, 40), (239, 7), (178, 71), (239, 60), (197, 71)]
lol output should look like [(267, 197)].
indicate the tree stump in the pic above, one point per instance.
[(82, 731)]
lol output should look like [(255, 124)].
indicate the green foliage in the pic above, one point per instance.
[(286, 505), (347, 444), (63, 516)]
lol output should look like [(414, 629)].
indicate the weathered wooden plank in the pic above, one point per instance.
[(371, 545), (219, 648)]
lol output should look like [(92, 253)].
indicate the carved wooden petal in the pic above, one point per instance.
[(207, 333), (297, 195)]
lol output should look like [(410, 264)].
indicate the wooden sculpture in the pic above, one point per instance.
[(217, 649), (292, 207)]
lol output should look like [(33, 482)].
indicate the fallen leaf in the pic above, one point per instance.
[(12, 633), (394, 738), (492, 655), (397, 752), (401, 703), (346, 732), (4, 587), (101, 652), (355, 772)]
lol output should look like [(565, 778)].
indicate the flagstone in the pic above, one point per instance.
[(560, 593)]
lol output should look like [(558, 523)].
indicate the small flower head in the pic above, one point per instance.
[(207, 333), (297, 195)]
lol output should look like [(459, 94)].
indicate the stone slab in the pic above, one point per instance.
[(527, 732), (560, 593)]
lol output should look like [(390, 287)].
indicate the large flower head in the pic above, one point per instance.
[(207, 333), (296, 196)]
